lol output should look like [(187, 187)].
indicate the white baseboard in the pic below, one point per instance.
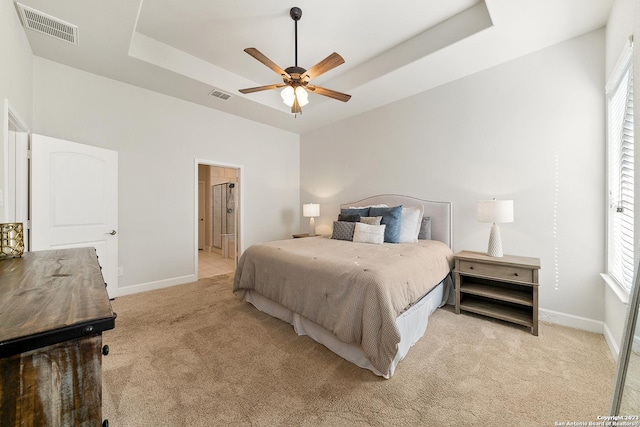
[(159, 284), (611, 342), (570, 320)]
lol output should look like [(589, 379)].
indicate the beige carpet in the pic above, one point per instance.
[(194, 355)]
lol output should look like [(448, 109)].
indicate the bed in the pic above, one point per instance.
[(369, 302)]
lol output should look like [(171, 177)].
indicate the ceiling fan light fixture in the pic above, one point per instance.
[(290, 96)]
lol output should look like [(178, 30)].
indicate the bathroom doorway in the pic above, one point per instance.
[(218, 219)]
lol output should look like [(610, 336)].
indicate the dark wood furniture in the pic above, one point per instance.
[(53, 310), (504, 288)]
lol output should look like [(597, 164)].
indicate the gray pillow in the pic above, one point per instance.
[(355, 211), (371, 220), (349, 217), (343, 230), (425, 229), (391, 217)]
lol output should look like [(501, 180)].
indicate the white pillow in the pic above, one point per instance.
[(365, 233), (410, 223)]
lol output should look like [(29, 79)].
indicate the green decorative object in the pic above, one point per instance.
[(11, 240)]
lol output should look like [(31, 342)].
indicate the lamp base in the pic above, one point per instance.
[(495, 242), (312, 227)]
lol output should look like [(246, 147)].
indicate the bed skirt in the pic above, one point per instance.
[(412, 325)]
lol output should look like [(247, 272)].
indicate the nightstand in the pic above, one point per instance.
[(504, 288)]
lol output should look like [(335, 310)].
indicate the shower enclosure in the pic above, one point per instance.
[(224, 215)]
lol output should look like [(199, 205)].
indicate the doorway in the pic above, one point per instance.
[(218, 222), (14, 172)]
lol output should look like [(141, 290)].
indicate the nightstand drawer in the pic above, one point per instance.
[(497, 271)]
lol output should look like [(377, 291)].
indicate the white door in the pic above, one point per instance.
[(74, 200)]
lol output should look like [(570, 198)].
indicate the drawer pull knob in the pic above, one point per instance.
[(471, 268), (87, 330), (515, 274), (105, 350)]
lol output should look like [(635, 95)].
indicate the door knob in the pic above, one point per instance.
[(112, 232)]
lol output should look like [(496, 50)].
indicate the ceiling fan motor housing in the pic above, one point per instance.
[(296, 73)]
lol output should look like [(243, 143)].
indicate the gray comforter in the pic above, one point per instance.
[(355, 290)]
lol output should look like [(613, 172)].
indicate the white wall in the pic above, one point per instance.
[(158, 139), (619, 27), (15, 84), (531, 130), (16, 59)]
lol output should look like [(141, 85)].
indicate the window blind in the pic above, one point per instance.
[(621, 180)]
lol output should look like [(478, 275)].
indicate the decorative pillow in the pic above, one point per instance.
[(366, 233), (425, 229), (410, 223), (371, 220), (391, 217), (355, 211), (349, 217), (343, 230)]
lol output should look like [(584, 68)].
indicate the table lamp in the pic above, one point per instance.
[(311, 210), (495, 211)]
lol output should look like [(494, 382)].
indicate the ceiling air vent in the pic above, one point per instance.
[(220, 94), (43, 23)]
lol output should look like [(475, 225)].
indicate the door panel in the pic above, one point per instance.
[(74, 200)]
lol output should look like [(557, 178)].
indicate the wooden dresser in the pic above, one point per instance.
[(53, 310)]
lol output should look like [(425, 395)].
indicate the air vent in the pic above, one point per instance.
[(45, 24), (220, 94)]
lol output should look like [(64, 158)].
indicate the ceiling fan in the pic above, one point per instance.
[(296, 79)]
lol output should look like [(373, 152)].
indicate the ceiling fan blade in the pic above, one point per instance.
[(259, 88), (328, 63), (296, 108), (266, 61), (330, 93)]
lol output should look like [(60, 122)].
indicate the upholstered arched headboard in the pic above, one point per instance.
[(439, 212)]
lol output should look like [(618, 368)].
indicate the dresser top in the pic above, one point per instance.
[(48, 297)]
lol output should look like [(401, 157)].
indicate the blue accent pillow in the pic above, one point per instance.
[(355, 211), (391, 217)]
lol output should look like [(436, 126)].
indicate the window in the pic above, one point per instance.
[(620, 263)]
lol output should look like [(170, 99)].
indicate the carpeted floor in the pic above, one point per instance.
[(194, 355)]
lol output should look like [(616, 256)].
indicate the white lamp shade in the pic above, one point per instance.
[(303, 96), (288, 95), (310, 210), (495, 211)]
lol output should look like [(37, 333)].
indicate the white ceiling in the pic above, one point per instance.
[(185, 48)]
